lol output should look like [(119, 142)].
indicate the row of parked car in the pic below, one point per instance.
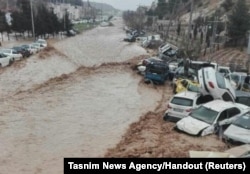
[(208, 99), (10, 55)]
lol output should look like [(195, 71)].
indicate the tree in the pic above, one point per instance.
[(239, 22), (227, 5), (134, 19), (17, 22), (162, 8), (3, 23)]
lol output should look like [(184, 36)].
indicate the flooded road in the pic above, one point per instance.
[(80, 115), (79, 99)]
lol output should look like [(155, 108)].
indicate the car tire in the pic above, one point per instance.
[(165, 117), (0, 65)]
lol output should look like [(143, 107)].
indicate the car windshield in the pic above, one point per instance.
[(182, 101), (204, 114), (243, 121)]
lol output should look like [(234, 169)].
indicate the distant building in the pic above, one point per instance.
[(86, 11), (8, 18)]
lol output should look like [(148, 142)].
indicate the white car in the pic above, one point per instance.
[(205, 119), (5, 60), (239, 130), (197, 65), (181, 104), (37, 46), (12, 53), (212, 82), (42, 42)]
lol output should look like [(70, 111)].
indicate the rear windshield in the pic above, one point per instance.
[(182, 101), (243, 100)]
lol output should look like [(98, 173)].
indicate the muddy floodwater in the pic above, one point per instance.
[(80, 116), (81, 98)]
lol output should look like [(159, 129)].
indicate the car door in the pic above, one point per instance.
[(228, 116)]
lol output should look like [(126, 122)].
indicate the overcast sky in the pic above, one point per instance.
[(125, 4)]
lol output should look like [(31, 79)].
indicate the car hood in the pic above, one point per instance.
[(191, 125), (238, 134)]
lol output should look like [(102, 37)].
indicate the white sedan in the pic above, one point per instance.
[(5, 60), (239, 130), (12, 53), (204, 120), (212, 82)]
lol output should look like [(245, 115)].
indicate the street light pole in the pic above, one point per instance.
[(32, 19)]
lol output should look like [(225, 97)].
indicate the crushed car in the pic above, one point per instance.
[(206, 119), (181, 104), (185, 85), (156, 72), (239, 130)]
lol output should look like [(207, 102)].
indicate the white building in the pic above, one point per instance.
[(60, 9)]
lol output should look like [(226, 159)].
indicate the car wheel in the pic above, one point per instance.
[(0, 65), (166, 117)]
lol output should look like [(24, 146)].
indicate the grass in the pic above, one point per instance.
[(84, 26)]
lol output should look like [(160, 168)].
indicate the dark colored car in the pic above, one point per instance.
[(129, 38), (25, 52), (156, 72)]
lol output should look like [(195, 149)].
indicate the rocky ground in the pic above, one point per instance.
[(82, 98)]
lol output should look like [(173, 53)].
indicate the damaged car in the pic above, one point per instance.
[(156, 72), (185, 85), (239, 130), (212, 82), (205, 119), (181, 104)]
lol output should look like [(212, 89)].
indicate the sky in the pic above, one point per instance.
[(125, 4)]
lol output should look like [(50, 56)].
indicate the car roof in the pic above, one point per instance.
[(201, 62), (187, 94), (224, 67), (220, 105), (239, 73)]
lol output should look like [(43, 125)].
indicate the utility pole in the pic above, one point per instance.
[(32, 19), (213, 36), (186, 63), (190, 23), (64, 13)]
